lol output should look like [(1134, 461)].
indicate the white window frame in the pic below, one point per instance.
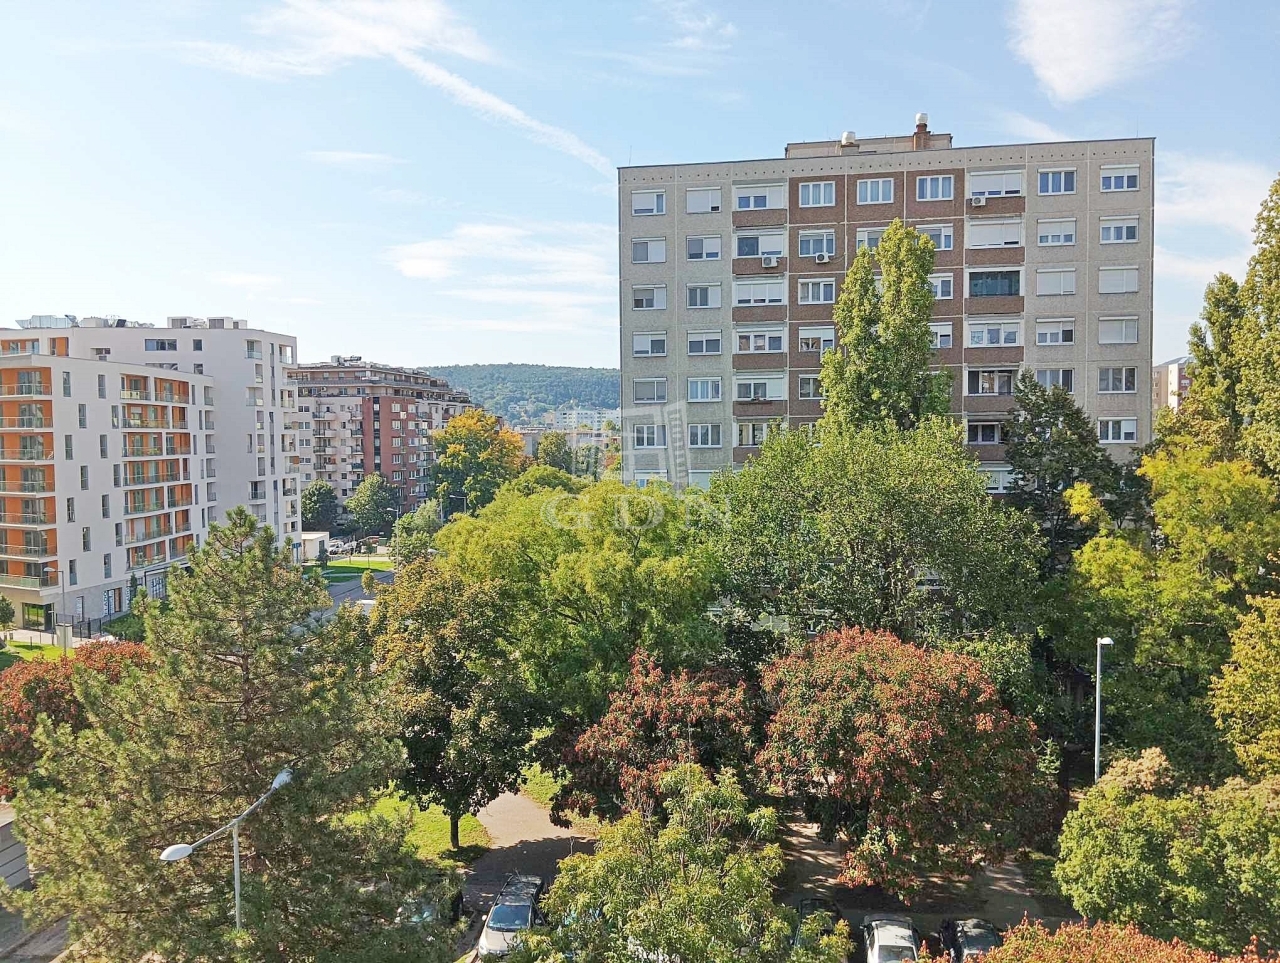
[(714, 297), (650, 336), (704, 238), (1124, 379), (946, 233), (865, 190), (999, 478), (826, 237), (1109, 172), (1050, 171), (997, 373), (768, 284), (657, 383), (938, 330), (945, 184), (1066, 278), (825, 335), (713, 206), (659, 296), (1121, 426), (1123, 223), (753, 334), (1004, 191), (775, 386), (936, 285), (1126, 323), (775, 196), (713, 392), (1004, 327), (760, 235), (815, 381), (658, 434), (710, 430), (822, 188), (864, 236), (649, 241), (1009, 238), (1052, 332), (998, 439), (764, 427), (1125, 274), (643, 478), (1045, 233), (702, 337), (659, 204), (825, 286), (1048, 382)]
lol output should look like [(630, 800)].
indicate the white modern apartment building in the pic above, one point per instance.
[(730, 272), (567, 419), (121, 443)]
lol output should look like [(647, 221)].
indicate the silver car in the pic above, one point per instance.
[(514, 912), (890, 938)]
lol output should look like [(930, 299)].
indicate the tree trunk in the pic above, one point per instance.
[(454, 819)]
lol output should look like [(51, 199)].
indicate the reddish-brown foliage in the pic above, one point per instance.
[(1100, 943)]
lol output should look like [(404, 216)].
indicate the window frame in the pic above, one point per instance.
[(1048, 384), (652, 336), (1124, 379), (716, 208), (1112, 171), (655, 288), (1121, 221), (656, 382), (828, 237), (879, 182), (709, 286), (947, 231), (1041, 234), (999, 434), (800, 192), (971, 271), (936, 333), (770, 381), (759, 234), (923, 181), (690, 336), (862, 237), (704, 238), (813, 380), (939, 277), (1124, 271), (1050, 171), (1005, 222), (1062, 274), (971, 175), (985, 325), (716, 391), (658, 432), (660, 201), (1063, 325), (803, 284), (767, 334), (998, 373), (766, 282), (649, 241), (1121, 422), (1124, 321), (751, 190), (711, 428), (822, 334)]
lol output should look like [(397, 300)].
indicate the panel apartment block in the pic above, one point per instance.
[(729, 274)]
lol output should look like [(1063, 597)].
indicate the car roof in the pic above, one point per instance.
[(897, 919), (518, 888)]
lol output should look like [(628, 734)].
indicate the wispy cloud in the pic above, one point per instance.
[(695, 40), (1028, 128), (1082, 47), (1200, 268), (353, 158), (312, 37), (1210, 191), (244, 280)]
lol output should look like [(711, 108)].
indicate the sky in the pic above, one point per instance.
[(429, 182)]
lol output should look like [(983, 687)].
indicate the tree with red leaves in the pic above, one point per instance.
[(657, 721), (31, 689), (906, 753)]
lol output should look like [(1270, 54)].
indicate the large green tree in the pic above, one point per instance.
[(1246, 699), (1260, 340), (475, 456), (1210, 411), (882, 372), (319, 506), (244, 685), (554, 450), (413, 532), (372, 507)]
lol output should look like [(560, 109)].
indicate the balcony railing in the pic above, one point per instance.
[(171, 398), (133, 538), (26, 487), (145, 562), (26, 551), (26, 454), (18, 391), (23, 518), (142, 451), (158, 478), (143, 508), (180, 502), (24, 421), (145, 422), (29, 581), (180, 424), (135, 394), (171, 449)]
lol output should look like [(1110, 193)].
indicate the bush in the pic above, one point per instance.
[(128, 627), (1100, 943)]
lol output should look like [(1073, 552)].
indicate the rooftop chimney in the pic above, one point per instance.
[(920, 140)]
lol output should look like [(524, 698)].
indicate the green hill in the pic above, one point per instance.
[(520, 392)]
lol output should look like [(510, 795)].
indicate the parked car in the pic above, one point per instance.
[(968, 939), (337, 548), (815, 904), (426, 911), (890, 938), (514, 912)]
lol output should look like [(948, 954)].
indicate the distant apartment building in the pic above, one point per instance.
[(1169, 383), (121, 443), (369, 417), (730, 272), (565, 419)]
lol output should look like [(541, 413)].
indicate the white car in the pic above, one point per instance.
[(514, 912), (890, 938)]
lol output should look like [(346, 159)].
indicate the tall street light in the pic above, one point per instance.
[(1097, 712), (179, 851)]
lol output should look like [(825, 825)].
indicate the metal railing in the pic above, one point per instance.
[(24, 421), (29, 581), (144, 422), (143, 451), (144, 508), (21, 454), (26, 551), (24, 518), (135, 394), (132, 538), (26, 487), (18, 391)]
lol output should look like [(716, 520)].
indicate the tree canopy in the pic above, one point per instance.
[(413, 532), (319, 506), (373, 506), (1246, 699), (554, 451), (475, 456)]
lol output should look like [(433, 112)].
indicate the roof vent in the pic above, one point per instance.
[(848, 139), (922, 118)]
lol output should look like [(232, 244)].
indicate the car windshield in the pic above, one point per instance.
[(507, 918), (892, 954)]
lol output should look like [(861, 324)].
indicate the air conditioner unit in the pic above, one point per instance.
[(822, 257), (769, 260), (978, 201)]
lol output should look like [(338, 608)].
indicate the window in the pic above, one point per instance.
[(703, 296), (160, 344), (992, 334), (649, 297), (938, 187), (72, 578), (1055, 331), (651, 436), (994, 284), (1121, 280), (759, 388), (703, 248), (197, 344), (86, 540), (810, 388), (761, 245), (817, 242), (703, 200), (102, 386), (650, 250), (751, 434), (71, 509), (68, 448), (120, 532), (66, 384), (1063, 378), (877, 191), (869, 237), (1058, 182), (755, 342), (940, 334), (941, 286), (992, 381), (649, 345), (198, 368), (1056, 232), (1120, 178), (1119, 230), (995, 184), (999, 478), (988, 232), (649, 391), (1056, 281), (942, 235), (102, 446), (818, 194), (704, 342), (760, 197), (1117, 380), (1118, 331), (644, 203), (1117, 430), (704, 389), (817, 292), (747, 292), (986, 433), (704, 436), (820, 340), (106, 565)]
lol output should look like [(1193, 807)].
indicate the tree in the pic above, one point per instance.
[(412, 534), (475, 455), (1246, 699), (695, 887), (1031, 942), (658, 721), (1200, 865), (554, 450), (373, 505), (1259, 338), (319, 506), (247, 685), (1210, 413), (6, 614), (874, 527), (883, 372), (905, 753), (465, 711), (40, 687)]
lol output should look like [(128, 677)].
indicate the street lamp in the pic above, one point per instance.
[(1097, 712), (180, 851)]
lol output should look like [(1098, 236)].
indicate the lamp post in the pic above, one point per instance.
[(1097, 712), (179, 851)]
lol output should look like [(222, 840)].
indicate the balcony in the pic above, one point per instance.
[(133, 538), (180, 502), (143, 508), (292, 469), (26, 551), (144, 422), (180, 424), (26, 487), (24, 421), (170, 398), (20, 518), (135, 394), (24, 391), (143, 451), (145, 561), (174, 450), (157, 478), (26, 454), (34, 582)]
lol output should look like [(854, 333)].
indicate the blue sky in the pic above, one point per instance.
[(431, 181)]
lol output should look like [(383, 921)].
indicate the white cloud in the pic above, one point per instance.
[(311, 37), (245, 280), (699, 29), (1208, 191), (352, 158), (1028, 128), (1199, 268), (1079, 48), (306, 301), (688, 40)]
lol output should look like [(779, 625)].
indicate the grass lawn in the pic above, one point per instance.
[(430, 832), (540, 786), (360, 563), (13, 651), (1037, 868)]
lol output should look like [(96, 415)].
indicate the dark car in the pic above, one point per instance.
[(968, 939)]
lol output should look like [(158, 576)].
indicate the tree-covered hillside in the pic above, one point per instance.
[(519, 392)]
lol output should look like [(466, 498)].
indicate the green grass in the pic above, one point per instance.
[(430, 832), (540, 786), (1037, 868), (14, 651), (360, 563)]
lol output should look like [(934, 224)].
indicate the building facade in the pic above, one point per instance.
[(1169, 383), (567, 419), (369, 417), (121, 443), (730, 272)]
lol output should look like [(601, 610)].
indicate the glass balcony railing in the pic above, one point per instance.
[(30, 581), (26, 487), (26, 551), (26, 454), (135, 394), (23, 390), (24, 518)]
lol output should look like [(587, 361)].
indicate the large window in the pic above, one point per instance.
[(1064, 378), (1117, 280), (759, 388), (995, 184), (704, 342), (818, 194), (992, 232), (1119, 230), (768, 196), (994, 284), (751, 434), (992, 381), (1119, 178), (1056, 281), (986, 433), (942, 235), (1056, 232), (810, 388), (648, 250), (649, 297), (650, 436), (762, 244), (1058, 182), (1113, 431), (940, 334), (704, 436), (1118, 331), (160, 344), (1117, 380), (649, 345), (941, 286), (876, 191), (813, 243), (869, 237), (817, 339), (703, 296), (703, 200), (646, 203), (706, 248), (991, 333), (756, 342), (649, 391), (1055, 331), (704, 389), (817, 292), (937, 187), (759, 291)]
